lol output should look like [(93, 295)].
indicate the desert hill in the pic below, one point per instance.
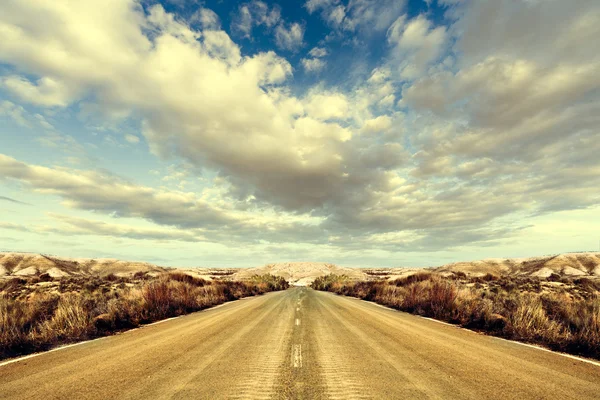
[(30, 264), (300, 273), (568, 264)]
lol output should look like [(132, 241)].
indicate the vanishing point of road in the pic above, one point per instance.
[(299, 344)]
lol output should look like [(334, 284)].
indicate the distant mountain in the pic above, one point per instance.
[(567, 264), (29, 264), (300, 273)]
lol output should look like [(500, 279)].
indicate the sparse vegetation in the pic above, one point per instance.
[(561, 316), (36, 314)]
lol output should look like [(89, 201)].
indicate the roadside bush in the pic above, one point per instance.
[(517, 310), (42, 320), (181, 277)]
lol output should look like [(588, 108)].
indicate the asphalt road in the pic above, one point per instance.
[(299, 344)]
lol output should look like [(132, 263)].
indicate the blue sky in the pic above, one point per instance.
[(358, 132)]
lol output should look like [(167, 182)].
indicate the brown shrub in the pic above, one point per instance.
[(41, 320), (567, 322), (71, 320), (181, 277), (418, 277), (111, 277)]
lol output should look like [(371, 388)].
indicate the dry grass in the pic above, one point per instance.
[(34, 317), (565, 320)]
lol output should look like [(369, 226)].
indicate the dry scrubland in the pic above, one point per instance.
[(552, 300), (39, 312), (562, 313)]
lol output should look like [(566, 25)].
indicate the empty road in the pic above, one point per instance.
[(299, 344)]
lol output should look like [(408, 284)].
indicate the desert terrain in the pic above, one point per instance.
[(569, 265), (267, 341)]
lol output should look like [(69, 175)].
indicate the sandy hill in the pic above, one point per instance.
[(300, 273), (568, 264), (29, 264)]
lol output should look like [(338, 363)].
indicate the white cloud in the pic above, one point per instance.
[(243, 22), (16, 112), (219, 45), (416, 45), (313, 64), (318, 52), (252, 14), (110, 195), (366, 16), (372, 15), (314, 5), (379, 124), (335, 16), (45, 92), (291, 38), (69, 225), (486, 137), (327, 106), (331, 11), (208, 19), (132, 138)]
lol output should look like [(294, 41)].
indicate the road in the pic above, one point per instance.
[(299, 344)]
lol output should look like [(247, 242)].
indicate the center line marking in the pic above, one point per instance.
[(297, 322), (297, 356), (297, 308)]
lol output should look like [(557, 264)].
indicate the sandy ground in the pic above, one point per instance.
[(299, 344)]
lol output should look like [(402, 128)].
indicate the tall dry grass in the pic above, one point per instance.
[(561, 321), (39, 321)]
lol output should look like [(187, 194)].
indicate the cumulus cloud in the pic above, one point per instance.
[(318, 52), (335, 16), (519, 113), (326, 106), (379, 124), (208, 214), (314, 5), (366, 16), (45, 92), (313, 64), (447, 141), (208, 19), (372, 15), (416, 44), (252, 14), (290, 38)]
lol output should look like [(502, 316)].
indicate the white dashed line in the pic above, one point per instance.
[(297, 322), (297, 356)]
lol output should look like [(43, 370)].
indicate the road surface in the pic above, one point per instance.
[(299, 344)]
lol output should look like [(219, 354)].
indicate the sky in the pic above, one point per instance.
[(358, 132)]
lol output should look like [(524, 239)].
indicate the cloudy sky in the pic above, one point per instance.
[(360, 132)]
